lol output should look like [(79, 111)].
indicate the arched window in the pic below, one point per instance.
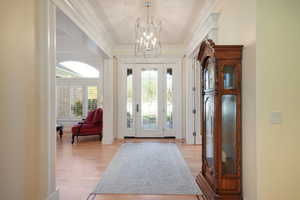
[(75, 69)]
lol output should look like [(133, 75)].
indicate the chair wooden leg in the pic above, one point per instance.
[(61, 133), (77, 139), (73, 137), (101, 137)]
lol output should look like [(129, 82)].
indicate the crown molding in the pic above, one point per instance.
[(83, 15), (207, 26), (158, 60), (168, 50)]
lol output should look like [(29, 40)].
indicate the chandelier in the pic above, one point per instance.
[(147, 35)]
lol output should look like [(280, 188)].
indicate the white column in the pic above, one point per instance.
[(189, 101), (108, 102), (47, 87), (27, 147)]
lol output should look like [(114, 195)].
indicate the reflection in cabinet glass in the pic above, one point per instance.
[(228, 134), (209, 75), (209, 124), (229, 77)]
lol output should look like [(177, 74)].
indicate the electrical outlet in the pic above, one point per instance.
[(276, 117)]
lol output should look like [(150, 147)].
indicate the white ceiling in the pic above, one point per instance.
[(72, 44), (178, 18)]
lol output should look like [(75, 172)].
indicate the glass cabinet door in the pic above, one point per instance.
[(229, 77), (209, 75), (209, 130), (229, 122)]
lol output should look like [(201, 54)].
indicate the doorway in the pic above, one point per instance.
[(149, 104)]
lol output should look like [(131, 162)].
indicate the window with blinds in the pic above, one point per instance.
[(74, 102), (92, 96)]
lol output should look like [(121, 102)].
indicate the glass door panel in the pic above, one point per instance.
[(129, 105), (209, 130), (149, 98), (169, 98), (229, 79), (209, 75), (229, 103)]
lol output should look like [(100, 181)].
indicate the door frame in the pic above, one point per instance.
[(46, 59), (123, 64)]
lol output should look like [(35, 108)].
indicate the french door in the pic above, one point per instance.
[(150, 103)]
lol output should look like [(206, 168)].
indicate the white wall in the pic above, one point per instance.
[(278, 69), (20, 131), (192, 121), (116, 96), (237, 25), (108, 102), (184, 115), (188, 103)]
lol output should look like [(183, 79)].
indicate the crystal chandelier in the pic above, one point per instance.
[(147, 35)]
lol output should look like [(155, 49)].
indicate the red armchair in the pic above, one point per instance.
[(92, 125)]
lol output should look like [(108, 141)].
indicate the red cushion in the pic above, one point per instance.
[(90, 117), (87, 129), (97, 116), (94, 130)]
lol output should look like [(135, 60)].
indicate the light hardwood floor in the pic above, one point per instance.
[(80, 166)]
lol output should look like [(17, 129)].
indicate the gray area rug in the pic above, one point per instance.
[(148, 168)]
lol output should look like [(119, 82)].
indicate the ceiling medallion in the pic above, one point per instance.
[(147, 35)]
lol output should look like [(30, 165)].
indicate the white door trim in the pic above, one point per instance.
[(47, 62), (122, 64)]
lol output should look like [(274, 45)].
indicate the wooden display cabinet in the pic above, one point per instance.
[(220, 177)]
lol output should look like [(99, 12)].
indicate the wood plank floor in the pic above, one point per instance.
[(80, 166)]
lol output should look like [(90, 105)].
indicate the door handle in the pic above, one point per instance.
[(137, 108)]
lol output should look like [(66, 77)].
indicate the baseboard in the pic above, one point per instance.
[(54, 195), (107, 140), (133, 137)]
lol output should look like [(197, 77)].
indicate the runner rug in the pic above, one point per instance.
[(148, 168)]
